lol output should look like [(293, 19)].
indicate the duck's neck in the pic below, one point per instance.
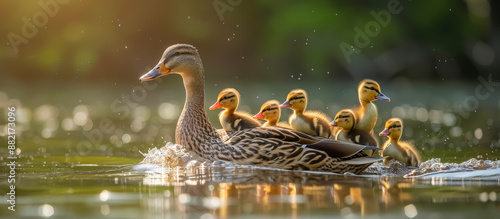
[(272, 122), (194, 128), (299, 111), (395, 139), (230, 110), (364, 103)]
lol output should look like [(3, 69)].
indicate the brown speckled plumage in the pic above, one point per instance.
[(264, 146)]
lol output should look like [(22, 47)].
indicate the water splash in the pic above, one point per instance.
[(434, 167)]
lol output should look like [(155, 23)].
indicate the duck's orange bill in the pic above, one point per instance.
[(216, 105), (386, 132), (259, 116)]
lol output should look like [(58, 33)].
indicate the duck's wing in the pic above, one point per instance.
[(273, 137)]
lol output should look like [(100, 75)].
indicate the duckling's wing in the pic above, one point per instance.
[(364, 138), (239, 121)]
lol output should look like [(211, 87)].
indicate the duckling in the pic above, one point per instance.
[(368, 91), (231, 120), (271, 112), (401, 151), (346, 121), (309, 122)]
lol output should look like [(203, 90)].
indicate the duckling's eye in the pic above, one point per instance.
[(394, 126), (371, 88)]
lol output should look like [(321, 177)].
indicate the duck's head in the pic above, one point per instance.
[(269, 111), (369, 90), (296, 99), (180, 59), (228, 99), (393, 129), (344, 119)]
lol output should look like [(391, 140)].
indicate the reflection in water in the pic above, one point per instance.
[(271, 192), (222, 189)]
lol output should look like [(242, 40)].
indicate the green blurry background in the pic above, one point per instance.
[(72, 68)]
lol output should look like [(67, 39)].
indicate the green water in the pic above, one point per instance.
[(95, 187), (79, 157)]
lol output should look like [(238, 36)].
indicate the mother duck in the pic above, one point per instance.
[(263, 146)]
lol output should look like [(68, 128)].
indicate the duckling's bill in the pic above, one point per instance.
[(259, 116), (286, 104), (333, 123), (386, 132), (158, 71), (216, 105), (381, 96)]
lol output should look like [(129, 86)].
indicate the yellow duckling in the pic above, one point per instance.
[(309, 122), (346, 121), (401, 151), (271, 112), (231, 120), (368, 91)]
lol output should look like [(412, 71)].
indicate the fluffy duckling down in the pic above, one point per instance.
[(309, 122), (404, 152), (271, 112), (230, 119), (368, 91), (346, 121)]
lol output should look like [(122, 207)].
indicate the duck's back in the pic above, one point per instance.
[(288, 149)]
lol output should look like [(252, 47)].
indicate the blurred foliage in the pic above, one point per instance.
[(90, 54), (114, 41)]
